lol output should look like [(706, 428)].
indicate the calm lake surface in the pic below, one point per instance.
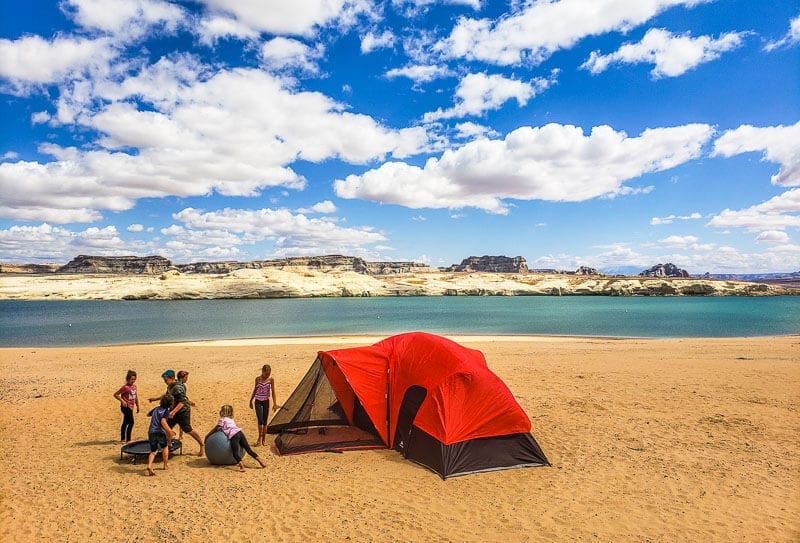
[(79, 323)]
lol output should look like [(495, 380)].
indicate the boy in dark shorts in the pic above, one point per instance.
[(159, 434), (181, 413)]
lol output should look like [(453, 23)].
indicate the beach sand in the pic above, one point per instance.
[(650, 440)]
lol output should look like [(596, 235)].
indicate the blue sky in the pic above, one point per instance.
[(606, 133)]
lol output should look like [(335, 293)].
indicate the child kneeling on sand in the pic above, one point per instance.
[(159, 434), (235, 435)]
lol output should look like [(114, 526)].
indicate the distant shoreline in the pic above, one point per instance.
[(305, 282)]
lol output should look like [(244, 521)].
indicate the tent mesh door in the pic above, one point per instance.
[(312, 419)]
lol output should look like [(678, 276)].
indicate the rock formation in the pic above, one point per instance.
[(152, 265), (586, 270), (492, 264), (665, 270), (28, 268)]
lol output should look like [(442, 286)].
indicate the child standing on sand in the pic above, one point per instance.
[(183, 376), (263, 389), (226, 425), (127, 398), (159, 434)]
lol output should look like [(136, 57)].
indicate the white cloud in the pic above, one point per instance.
[(34, 60), (780, 144), (419, 73), (553, 163), (474, 4), (325, 206), (124, 18), (163, 84), (297, 18), (790, 39), (10, 155), (47, 243), (543, 27), (478, 93), (213, 28), (290, 233), (678, 241), (284, 53), (778, 213), (371, 41), (773, 236), (671, 218), (135, 228), (469, 130), (40, 117), (672, 54), (234, 133)]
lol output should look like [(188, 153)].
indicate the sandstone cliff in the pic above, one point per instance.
[(274, 282), (116, 264)]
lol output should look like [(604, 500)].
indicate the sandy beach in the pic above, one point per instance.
[(650, 440)]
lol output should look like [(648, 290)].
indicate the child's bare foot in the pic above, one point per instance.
[(150, 471), (202, 451), (263, 465)]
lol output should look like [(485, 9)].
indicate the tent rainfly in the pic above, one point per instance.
[(431, 399)]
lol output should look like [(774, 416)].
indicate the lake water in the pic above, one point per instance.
[(79, 323)]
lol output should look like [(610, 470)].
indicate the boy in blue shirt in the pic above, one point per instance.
[(159, 434)]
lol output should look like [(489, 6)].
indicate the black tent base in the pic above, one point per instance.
[(478, 455), (138, 449)]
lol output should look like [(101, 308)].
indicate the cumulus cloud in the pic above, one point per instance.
[(678, 241), (672, 54), (478, 93), (296, 18), (541, 28), (779, 144), (284, 53), (325, 206), (212, 29), (135, 228), (124, 18), (420, 73), (469, 130), (669, 219), (290, 233), (474, 4), (778, 213), (371, 41), (554, 163), (34, 60), (47, 243), (773, 236), (234, 133), (790, 39)]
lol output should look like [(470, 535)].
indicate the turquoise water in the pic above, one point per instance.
[(72, 323)]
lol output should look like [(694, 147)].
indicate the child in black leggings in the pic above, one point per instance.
[(127, 398), (226, 425)]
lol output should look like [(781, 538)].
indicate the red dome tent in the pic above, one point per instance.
[(433, 400)]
